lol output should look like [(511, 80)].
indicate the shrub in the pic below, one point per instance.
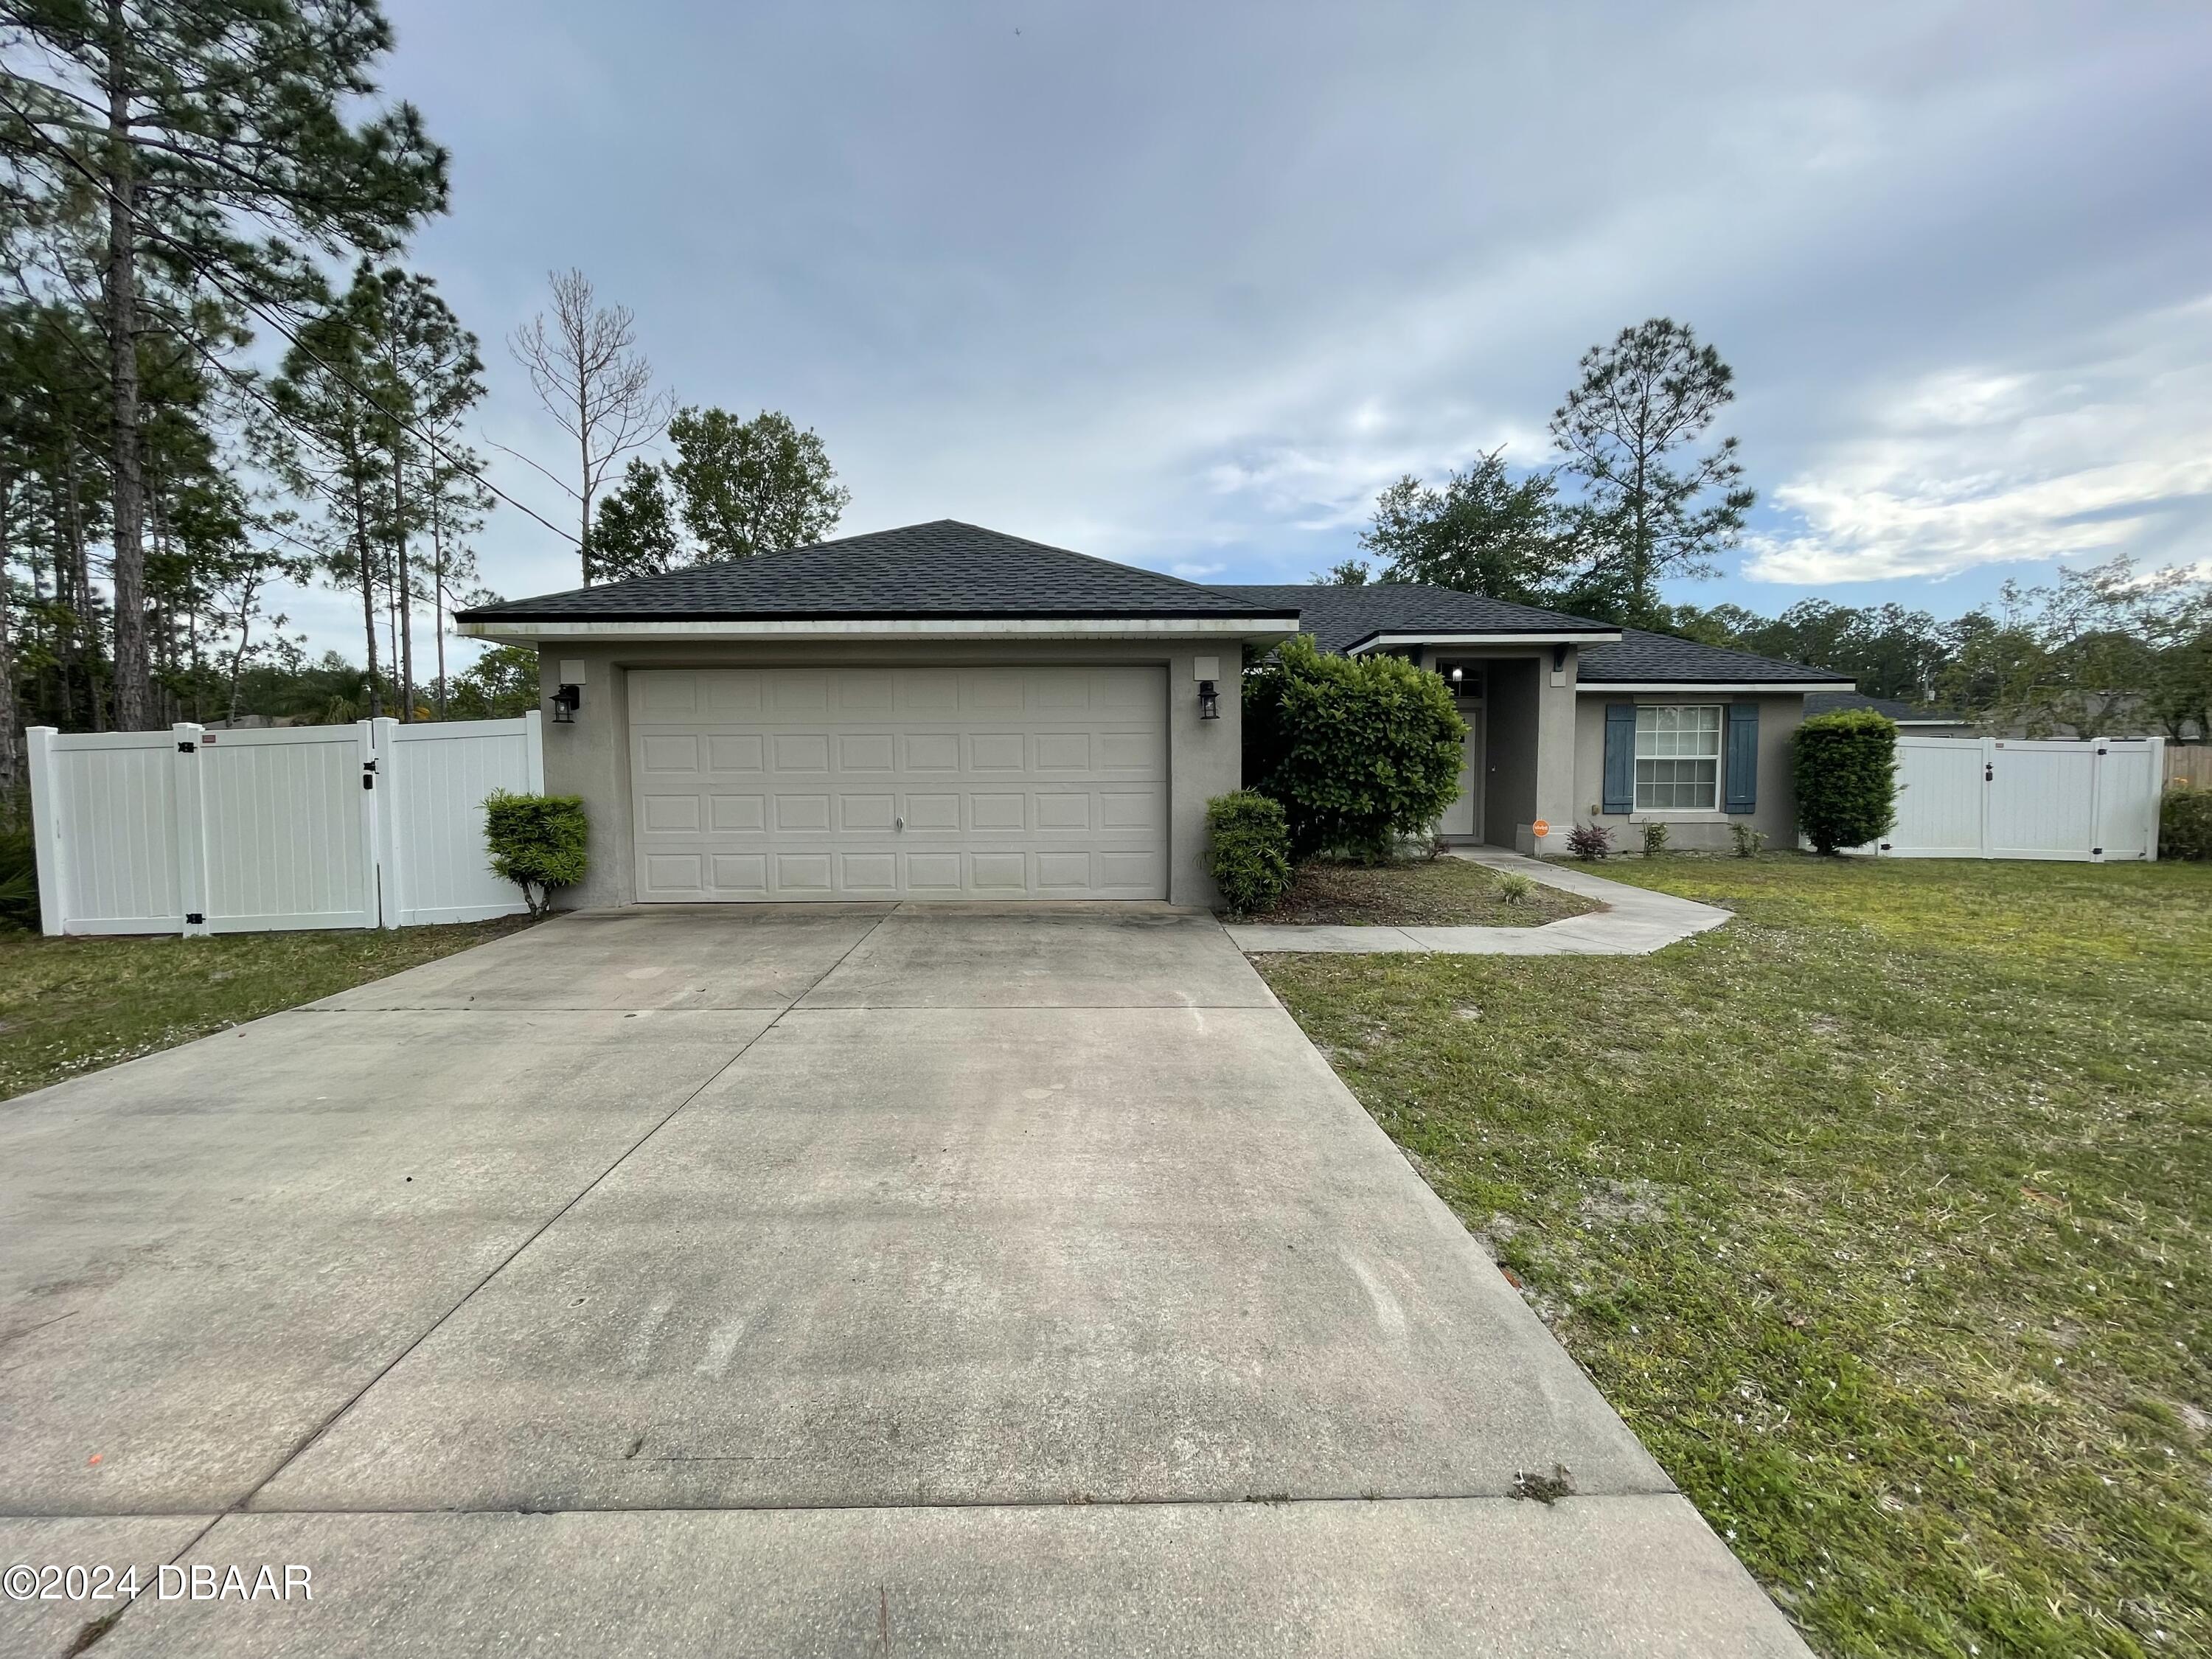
[(1748, 840), (2184, 822), (1515, 888), (1247, 849), (19, 880), (1844, 766), (1654, 837), (536, 842), (1360, 750), (1589, 841)]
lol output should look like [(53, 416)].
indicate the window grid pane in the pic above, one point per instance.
[(1678, 750)]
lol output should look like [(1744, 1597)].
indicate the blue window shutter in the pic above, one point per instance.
[(1743, 757), (1620, 782)]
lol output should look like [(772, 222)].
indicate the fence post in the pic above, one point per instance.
[(192, 885), (47, 830), (2156, 784), (1988, 768), (380, 749), (533, 751)]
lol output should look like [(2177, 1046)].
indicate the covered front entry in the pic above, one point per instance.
[(989, 782)]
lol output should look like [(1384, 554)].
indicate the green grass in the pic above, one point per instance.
[(1884, 1214), (68, 1005), (1441, 892)]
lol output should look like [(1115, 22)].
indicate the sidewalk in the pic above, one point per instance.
[(1635, 922)]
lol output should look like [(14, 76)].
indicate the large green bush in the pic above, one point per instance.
[(1844, 767), (1247, 849), (538, 843), (2185, 824), (1360, 750)]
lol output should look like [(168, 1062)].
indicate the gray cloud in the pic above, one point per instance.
[(1185, 285)]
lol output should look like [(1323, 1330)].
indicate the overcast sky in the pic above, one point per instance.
[(1185, 285)]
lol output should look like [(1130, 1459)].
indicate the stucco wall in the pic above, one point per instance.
[(1777, 813), (591, 757)]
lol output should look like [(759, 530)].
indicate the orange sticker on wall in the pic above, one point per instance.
[(1539, 829)]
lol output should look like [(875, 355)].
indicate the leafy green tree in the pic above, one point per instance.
[(199, 151), (1345, 573), (635, 533), (500, 685), (1651, 508), (1360, 749), (1890, 651), (1484, 532), (751, 487), (326, 441)]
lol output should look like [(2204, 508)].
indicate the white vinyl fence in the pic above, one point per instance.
[(2091, 800), (192, 831)]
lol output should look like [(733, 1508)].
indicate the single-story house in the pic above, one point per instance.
[(942, 711), (1912, 720)]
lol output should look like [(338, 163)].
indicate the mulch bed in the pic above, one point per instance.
[(1444, 892)]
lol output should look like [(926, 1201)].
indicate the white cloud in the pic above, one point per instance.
[(2108, 451)]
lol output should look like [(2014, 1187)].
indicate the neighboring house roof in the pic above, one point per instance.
[(942, 570), (1905, 714), (1647, 658), (1343, 619)]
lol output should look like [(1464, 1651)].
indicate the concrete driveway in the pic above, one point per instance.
[(800, 1280)]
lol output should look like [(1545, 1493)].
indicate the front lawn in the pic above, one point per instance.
[(75, 1005), (1884, 1214), (1441, 892)]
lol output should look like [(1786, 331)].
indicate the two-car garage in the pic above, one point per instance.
[(858, 782)]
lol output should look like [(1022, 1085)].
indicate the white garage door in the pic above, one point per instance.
[(957, 783)]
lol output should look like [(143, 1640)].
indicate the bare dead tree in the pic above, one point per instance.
[(586, 371)]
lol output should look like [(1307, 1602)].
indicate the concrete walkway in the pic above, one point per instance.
[(1635, 922), (815, 1280)]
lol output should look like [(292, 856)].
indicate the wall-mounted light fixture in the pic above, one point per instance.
[(565, 701), (1559, 658), (1458, 676), (1206, 670)]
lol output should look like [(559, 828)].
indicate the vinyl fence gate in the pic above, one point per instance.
[(192, 831), (2091, 800)]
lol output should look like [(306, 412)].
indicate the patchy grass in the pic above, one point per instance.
[(68, 1005), (1884, 1214), (1443, 892)]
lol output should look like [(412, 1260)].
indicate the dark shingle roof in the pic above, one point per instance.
[(1643, 658), (1905, 714), (1341, 618), (943, 568)]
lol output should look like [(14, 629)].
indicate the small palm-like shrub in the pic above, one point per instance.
[(1654, 837), (1515, 888), (538, 843), (1844, 765), (1247, 849)]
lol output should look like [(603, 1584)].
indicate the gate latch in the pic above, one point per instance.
[(184, 747), (368, 775), (1989, 774)]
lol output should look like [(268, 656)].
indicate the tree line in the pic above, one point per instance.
[(1637, 494), (219, 375)]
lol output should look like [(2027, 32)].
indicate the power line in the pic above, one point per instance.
[(275, 320)]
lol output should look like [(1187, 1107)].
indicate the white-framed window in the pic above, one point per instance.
[(1678, 758)]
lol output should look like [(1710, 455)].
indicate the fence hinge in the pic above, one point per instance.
[(195, 919), (185, 748)]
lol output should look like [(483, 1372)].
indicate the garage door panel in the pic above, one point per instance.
[(737, 814), (933, 783), (671, 812), (741, 875), (870, 751), (862, 813)]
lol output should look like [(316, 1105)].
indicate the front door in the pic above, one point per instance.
[(1463, 818)]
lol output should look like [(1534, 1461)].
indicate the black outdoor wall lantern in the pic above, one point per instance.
[(1209, 702), (565, 701)]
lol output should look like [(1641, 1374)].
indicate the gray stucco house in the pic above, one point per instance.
[(943, 711)]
